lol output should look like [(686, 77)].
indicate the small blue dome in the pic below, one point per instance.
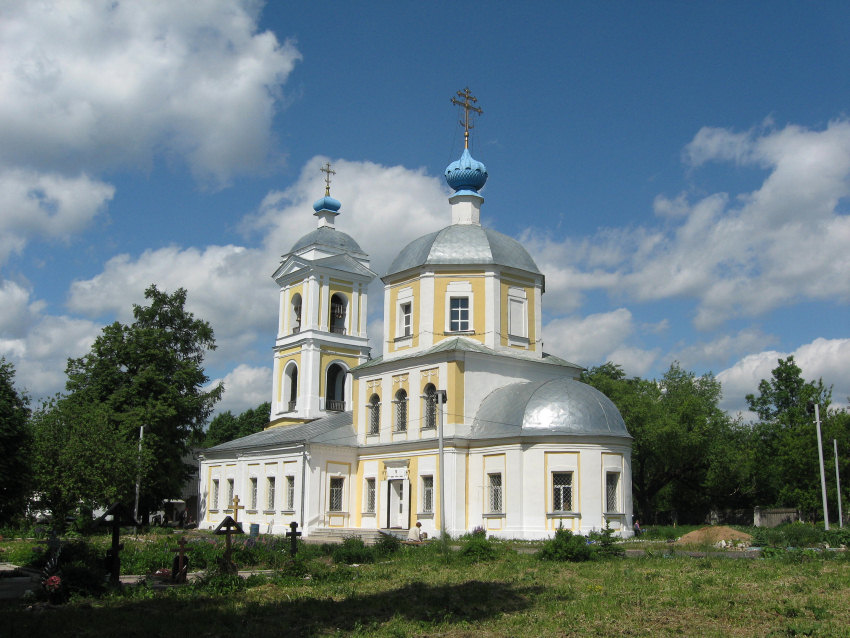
[(466, 174), (327, 203)]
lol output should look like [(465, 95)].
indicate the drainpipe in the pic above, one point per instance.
[(441, 398), (303, 475)]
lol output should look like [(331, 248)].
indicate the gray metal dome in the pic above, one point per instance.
[(330, 237), (541, 408), (464, 244)]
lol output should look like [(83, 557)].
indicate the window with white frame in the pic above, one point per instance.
[(400, 403), (374, 415), (427, 494), (612, 491), (214, 499), (270, 485), (405, 319), (335, 494), (430, 401), (370, 496), (229, 494), (290, 493), (494, 489), (253, 492), (517, 313), (562, 491), (459, 314)]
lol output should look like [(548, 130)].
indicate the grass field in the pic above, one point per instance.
[(420, 592)]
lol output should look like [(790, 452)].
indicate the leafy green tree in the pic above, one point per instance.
[(679, 451), (80, 456), (788, 473), (14, 445), (150, 374), (226, 427)]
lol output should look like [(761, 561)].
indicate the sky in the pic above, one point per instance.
[(680, 172)]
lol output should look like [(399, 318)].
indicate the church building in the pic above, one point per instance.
[(463, 422)]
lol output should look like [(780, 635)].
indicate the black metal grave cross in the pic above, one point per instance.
[(116, 515), (293, 535), (181, 561)]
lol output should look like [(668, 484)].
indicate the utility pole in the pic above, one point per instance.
[(441, 399), (820, 459), (838, 485), (138, 477)]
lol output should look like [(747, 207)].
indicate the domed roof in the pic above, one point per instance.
[(464, 244), (541, 408), (330, 237), (466, 174)]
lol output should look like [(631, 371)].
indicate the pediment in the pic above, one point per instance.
[(341, 263)]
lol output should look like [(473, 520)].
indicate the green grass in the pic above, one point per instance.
[(418, 591)]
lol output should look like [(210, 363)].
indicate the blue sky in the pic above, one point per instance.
[(679, 171)]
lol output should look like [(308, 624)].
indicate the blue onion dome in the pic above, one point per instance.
[(466, 174), (327, 203)]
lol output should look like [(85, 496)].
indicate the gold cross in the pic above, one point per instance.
[(326, 169), (467, 105), (236, 507)]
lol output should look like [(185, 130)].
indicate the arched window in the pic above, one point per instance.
[(295, 313), (291, 386), (400, 402), (335, 388), (339, 305), (430, 411), (374, 414)]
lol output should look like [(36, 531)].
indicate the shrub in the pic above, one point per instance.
[(387, 545), (566, 547), (477, 549), (353, 550), (607, 543)]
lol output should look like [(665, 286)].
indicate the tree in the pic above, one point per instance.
[(226, 427), (788, 472), (150, 374), (14, 445), (679, 433)]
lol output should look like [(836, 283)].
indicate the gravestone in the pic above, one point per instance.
[(228, 527), (116, 515), (293, 536), (180, 565)]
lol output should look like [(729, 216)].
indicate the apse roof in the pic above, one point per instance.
[(335, 429), (463, 244), (542, 408)]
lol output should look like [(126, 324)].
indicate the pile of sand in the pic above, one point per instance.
[(713, 534)]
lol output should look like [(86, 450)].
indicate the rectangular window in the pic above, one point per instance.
[(253, 492), (370, 495), (290, 493), (405, 327), (229, 494), (335, 497), (495, 489), (562, 491), (516, 317), (270, 493), (612, 490), (459, 314), (214, 504), (427, 493)]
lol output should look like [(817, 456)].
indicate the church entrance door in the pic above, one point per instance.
[(398, 515)]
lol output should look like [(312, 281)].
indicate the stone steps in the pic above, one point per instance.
[(338, 534)]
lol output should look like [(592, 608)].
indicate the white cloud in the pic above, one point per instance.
[(736, 256), (822, 358), (588, 340), (46, 205), (244, 387), (719, 350), (101, 83)]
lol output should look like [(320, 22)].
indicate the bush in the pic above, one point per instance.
[(477, 549), (607, 543), (566, 547), (353, 550), (387, 545)]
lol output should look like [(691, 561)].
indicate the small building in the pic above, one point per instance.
[(354, 442)]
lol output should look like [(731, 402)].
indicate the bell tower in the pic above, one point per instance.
[(321, 335)]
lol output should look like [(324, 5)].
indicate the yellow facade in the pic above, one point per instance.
[(392, 329), (528, 287), (440, 319)]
